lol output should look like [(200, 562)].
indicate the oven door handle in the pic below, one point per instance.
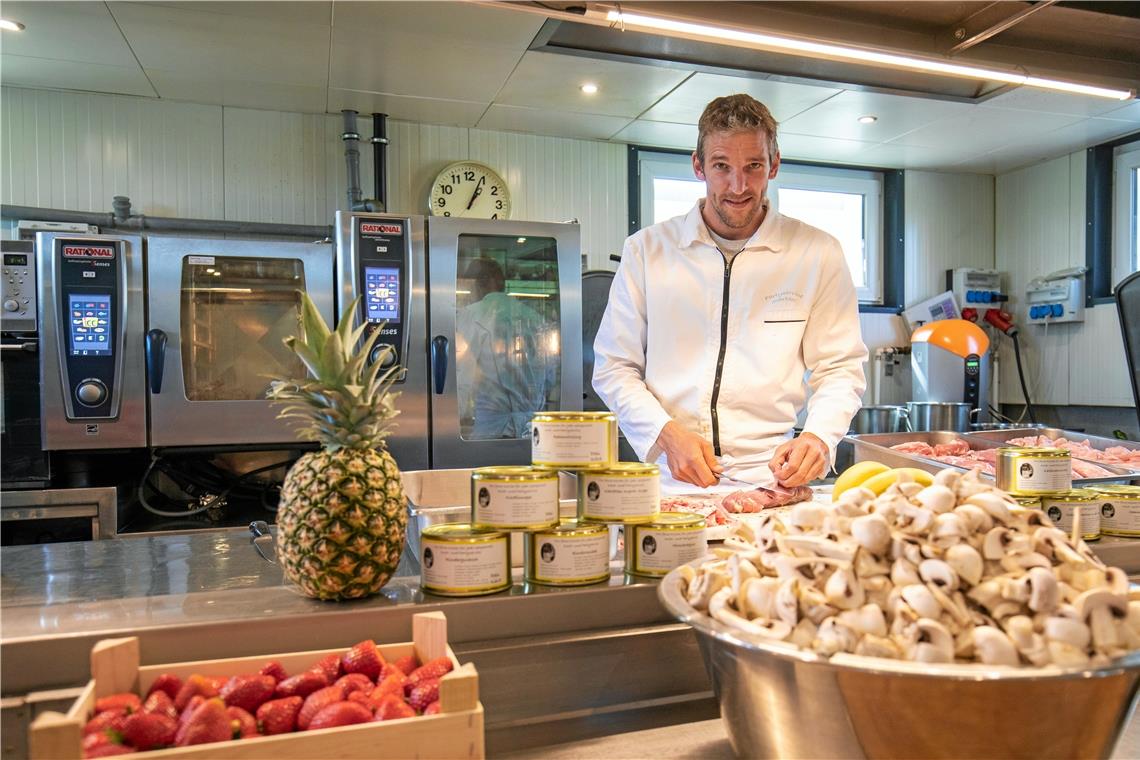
[(155, 358), (439, 362), (29, 346)]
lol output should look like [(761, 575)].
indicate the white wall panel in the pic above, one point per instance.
[(949, 224)]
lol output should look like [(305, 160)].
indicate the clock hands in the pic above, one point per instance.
[(477, 193)]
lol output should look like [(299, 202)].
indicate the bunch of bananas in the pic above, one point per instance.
[(875, 477)]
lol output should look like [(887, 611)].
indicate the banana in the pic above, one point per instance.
[(855, 475), (884, 480)]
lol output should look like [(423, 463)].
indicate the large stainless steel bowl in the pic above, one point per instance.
[(779, 701)]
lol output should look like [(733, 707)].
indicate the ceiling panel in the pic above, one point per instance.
[(226, 46), (983, 129), (69, 75), (1049, 101), (544, 121), (303, 12), (814, 148), (233, 92), (427, 110), (66, 31), (1059, 142), (899, 156), (838, 116), (1129, 111), (547, 80), (447, 22), (660, 134), (784, 99)]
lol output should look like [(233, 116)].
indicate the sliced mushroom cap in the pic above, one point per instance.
[(939, 573), (935, 643), (993, 647), (872, 532), (993, 504), (1067, 655), (996, 542), (966, 561), (976, 519), (807, 514), (937, 498), (947, 530), (1044, 595), (757, 597), (904, 573), (721, 610), (804, 633), (818, 546), (868, 565), (1072, 632), (834, 637), (844, 590), (948, 478), (919, 599), (868, 619), (786, 602), (740, 570), (1029, 643), (914, 520), (702, 589)]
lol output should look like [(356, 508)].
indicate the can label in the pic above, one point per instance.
[(515, 503), (465, 568), (1061, 513), (569, 559), (620, 498), (570, 443), (1042, 475), (1120, 517), (656, 552)]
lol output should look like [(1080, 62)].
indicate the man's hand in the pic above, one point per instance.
[(690, 457), (799, 460)]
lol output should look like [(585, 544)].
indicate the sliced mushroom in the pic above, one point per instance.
[(993, 647), (1067, 655), (1043, 595), (868, 619), (720, 610), (786, 602), (804, 633), (844, 590), (993, 505), (702, 589), (937, 498), (1066, 630), (966, 561), (868, 565), (757, 597), (947, 478), (1098, 607), (904, 572), (834, 637), (1029, 643), (807, 515), (947, 530), (976, 519), (872, 532), (939, 573), (740, 570), (814, 605), (1020, 562), (878, 646), (913, 520), (919, 599), (934, 644), (818, 546)]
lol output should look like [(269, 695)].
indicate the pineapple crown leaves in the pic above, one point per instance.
[(344, 403)]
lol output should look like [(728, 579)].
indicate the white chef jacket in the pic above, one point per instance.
[(791, 309)]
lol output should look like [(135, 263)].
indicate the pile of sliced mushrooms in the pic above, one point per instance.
[(952, 572)]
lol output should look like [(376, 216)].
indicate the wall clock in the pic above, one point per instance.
[(470, 189)]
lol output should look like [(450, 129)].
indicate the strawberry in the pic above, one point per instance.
[(423, 694), (160, 702), (126, 701), (275, 669), (433, 669), (340, 714), (363, 658), (406, 664), (355, 682), (109, 720), (194, 703), (302, 685), (209, 723), (171, 684), (392, 707), (145, 731), (316, 702), (195, 684), (393, 684), (242, 724), (108, 749), (279, 716), (248, 692), (432, 709), (330, 666)]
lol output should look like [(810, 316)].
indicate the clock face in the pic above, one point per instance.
[(467, 188)]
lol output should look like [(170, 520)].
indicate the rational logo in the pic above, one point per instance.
[(373, 228), (89, 251)]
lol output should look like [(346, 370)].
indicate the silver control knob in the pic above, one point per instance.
[(11, 305), (384, 354), (91, 392)]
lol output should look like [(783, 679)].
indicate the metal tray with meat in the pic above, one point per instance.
[(935, 451), (721, 510), (1109, 452)]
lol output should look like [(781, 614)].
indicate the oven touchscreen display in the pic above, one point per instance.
[(382, 294), (90, 324)]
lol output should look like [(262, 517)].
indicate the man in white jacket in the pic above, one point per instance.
[(714, 318)]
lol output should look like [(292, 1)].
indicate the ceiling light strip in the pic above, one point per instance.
[(842, 52)]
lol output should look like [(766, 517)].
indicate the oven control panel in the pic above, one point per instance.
[(383, 259), (90, 289), (17, 286)]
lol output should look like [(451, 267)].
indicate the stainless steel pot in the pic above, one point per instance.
[(779, 701), (882, 418), (938, 415)]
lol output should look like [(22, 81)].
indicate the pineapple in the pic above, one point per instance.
[(342, 515)]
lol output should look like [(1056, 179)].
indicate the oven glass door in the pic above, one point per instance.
[(225, 308), (23, 462)]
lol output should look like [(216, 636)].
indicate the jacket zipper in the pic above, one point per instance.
[(720, 356)]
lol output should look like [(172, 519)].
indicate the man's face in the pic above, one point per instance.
[(736, 173)]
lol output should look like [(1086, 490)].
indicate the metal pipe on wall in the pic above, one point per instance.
[(122, 219), (351, 140), (380, 159)]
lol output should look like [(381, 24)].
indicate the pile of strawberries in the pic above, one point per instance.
[(356, 687)]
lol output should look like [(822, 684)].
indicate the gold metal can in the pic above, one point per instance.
[(514, 498), (572, 554), (457, 559), (671, 540), (1119, 509), (1060, 508), (1034, 471), (1029, 502), (627, 492), (574, 440)]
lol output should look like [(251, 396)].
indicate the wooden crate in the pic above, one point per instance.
[(456, 732)]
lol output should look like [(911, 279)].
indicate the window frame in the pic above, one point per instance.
[(890, 219), (1125, 252), (1099, 212)]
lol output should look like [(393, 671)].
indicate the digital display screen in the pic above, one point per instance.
[(90, 324), (15, 259), (382, 294)]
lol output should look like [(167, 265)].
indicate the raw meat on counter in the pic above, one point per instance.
[(959, 454), (1112, 455), (718, 509)]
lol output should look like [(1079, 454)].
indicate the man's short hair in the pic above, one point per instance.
[(736, 113)]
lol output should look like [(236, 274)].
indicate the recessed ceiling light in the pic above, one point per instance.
[(589, 88), (520, 241), (11, 26), (868, 119)]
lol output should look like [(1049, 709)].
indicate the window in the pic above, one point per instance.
[(846, 203), (1125, 220)]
